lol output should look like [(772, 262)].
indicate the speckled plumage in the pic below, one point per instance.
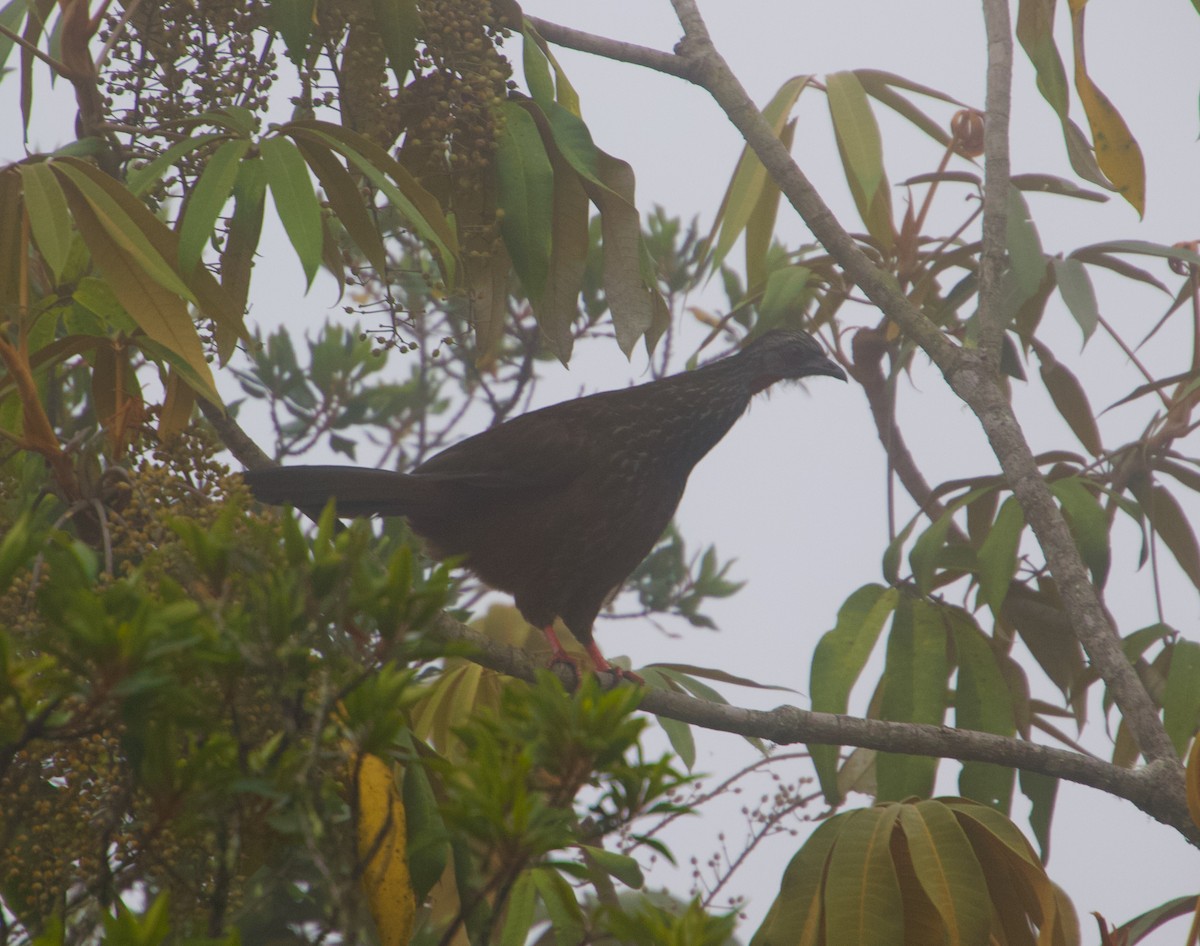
[(558, 506)]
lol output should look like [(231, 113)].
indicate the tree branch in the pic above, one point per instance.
[(993, 258), (969, 373), (614, 49), (1148, 787)]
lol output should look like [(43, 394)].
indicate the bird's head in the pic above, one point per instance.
[(786, 354)]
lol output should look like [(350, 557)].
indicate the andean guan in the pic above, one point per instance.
[(558, 506)]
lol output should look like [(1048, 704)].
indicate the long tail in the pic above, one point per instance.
[(358, 491)]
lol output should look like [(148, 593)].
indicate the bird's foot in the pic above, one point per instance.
[(600, 664), (603, 666)]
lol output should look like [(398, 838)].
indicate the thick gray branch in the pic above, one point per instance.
[(970, 376), (1150, 788), (996, 181)]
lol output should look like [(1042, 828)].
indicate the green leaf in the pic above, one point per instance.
[(241, 243), (565, 94), (418, 207), (1035, 32), (293, 20), (346, 200), (749, 179), (1075, 286), (561, 905), (10, 18), (633, 300), (525, 197), (890, 565), (982, 702), (857, 131), (1088, 523), (49, 218), (683, 742), (521, 904), (537, 72), (914, 691), (122, 230), (837, 662), (140, 180), (1024, 244), (621, 866), (295, 200), (1070, 399), (17, 546), (206, 201), (428, 851), (926, 552), (160, 313), (1041, 790), (1181, 698), (399, 25), (760, 227), (1170, 523), (787, 292), (861, 150), (997, 557)]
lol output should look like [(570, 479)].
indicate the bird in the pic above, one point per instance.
[(559, 505)]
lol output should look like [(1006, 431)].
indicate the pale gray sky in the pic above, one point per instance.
[(796, 492)]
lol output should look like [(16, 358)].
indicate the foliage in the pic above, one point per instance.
[(214, 726)]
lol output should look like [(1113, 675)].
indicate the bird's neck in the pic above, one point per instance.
[(701, 407)]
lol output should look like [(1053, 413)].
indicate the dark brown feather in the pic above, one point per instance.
[(558, 506)]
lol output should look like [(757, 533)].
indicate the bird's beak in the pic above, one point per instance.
[(831, 368)]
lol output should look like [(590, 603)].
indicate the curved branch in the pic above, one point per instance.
[(970, 375), (1149, 788), (968, 372)]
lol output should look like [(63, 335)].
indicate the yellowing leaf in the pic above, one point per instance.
[(1117, 151), (948, 871), (382, 851), (160, 313), (862, 894), (795, 916), (123, 232)]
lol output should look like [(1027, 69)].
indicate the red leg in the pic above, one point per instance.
[(559, 655), (602, 663)]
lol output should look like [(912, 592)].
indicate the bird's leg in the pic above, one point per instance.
[(558, 654), (601, 663)]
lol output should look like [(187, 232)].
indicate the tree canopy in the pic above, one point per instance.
[(219, 724)]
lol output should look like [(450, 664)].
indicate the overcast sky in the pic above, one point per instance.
[(796, 492)]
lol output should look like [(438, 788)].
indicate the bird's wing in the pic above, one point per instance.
[(546, 449)]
